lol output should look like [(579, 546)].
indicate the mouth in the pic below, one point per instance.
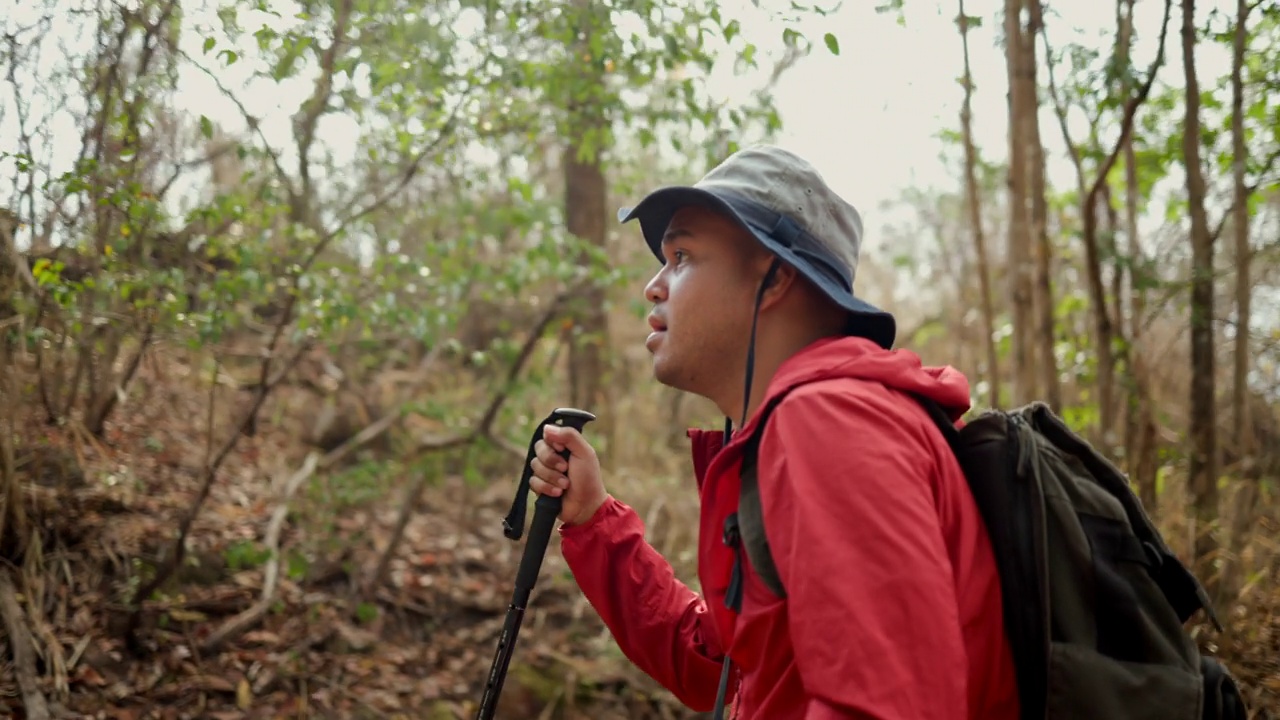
[(657, 325)]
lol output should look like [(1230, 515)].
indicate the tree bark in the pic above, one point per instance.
[(1244, 514), (974, 204), (1019, 254), (1243, 253), (585, 215), (1141, 440), (13, 522), (1203, 464), (1045, 358)]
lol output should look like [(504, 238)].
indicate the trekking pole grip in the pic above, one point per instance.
[(545, 511), (546, 508)]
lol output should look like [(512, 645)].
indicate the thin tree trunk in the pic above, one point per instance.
[(1042, 291), (975, 223), (1204, 438), (585, 215), (1019, 255), (1142, 442), (1243, 253), (13, 521), (1244, 513)]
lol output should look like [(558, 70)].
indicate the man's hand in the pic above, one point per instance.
[(585, 493)]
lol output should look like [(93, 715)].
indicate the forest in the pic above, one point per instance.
[(285, 287)]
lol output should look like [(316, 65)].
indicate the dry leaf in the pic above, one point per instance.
[(244, 694)]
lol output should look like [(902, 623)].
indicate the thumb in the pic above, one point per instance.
[(562, 438)]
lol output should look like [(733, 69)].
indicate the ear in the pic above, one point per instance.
[(780, 282)]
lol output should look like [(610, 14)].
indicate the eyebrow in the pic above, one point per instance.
[(675, 234)]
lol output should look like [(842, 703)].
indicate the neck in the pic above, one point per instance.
[(771, 353)]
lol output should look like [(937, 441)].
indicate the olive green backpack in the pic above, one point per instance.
[(1095, 602)]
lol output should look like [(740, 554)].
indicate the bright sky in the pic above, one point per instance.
[(867, 118)]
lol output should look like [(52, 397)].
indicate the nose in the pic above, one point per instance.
[(656, 290)]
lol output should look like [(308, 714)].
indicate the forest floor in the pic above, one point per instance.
[(420, 646)]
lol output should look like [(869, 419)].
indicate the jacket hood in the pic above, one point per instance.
[(860, 359), (855, 358)]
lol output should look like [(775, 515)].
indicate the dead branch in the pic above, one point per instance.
[(23, 651), (252, 615), (266, 382), (241, 622), (175, 556)]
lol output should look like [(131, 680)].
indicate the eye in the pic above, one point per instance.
[(677, 256)]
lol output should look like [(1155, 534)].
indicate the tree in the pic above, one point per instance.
[(1203, 463), (1019, 259), (1043, 335), (974, 205)]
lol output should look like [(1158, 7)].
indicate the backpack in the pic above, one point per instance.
[(1094, 601)]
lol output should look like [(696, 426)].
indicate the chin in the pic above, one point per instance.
[(663, 372)]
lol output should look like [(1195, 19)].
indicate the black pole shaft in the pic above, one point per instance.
[(546, 510)]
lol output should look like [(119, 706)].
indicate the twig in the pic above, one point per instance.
[(178, 551), (242, 621), (23, 654), (1130, 110), (252, 615)]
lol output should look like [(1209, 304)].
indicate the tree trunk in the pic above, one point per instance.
[(1203, 466), (1019, 255), (1240, 430), (13, 522), (1042, 291), (1141, 444), (975, 223), (585, 216), (1102, 331), (1243, 253)]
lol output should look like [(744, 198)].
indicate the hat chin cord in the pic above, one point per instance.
[(728, 433), (765, 282)]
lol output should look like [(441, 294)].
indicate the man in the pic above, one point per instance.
[(892, 608)]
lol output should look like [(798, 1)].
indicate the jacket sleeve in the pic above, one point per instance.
[(658, 622), (849, 506)]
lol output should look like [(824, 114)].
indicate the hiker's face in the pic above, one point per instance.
[(702, 302)]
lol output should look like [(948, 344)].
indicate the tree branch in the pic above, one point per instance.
[(253, 124), (20, 643), (313, 108), (1131, 109)]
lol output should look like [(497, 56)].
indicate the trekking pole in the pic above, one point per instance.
[(545, 511)]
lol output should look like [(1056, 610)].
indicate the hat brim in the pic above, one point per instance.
[(657, 208)]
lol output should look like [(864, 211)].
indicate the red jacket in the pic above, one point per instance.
[(893, 609)]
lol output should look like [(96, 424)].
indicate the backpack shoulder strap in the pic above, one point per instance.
[(750, 515)]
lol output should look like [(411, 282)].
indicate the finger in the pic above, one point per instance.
[(547, 475), (549, 457), (542, 487), (568, 438)]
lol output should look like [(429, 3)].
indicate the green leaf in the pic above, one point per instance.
[(209, 43), (206, 126), (832, 43)]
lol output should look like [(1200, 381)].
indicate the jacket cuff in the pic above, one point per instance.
[(609, 509)]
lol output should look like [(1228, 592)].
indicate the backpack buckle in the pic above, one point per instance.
[(731, 533)]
